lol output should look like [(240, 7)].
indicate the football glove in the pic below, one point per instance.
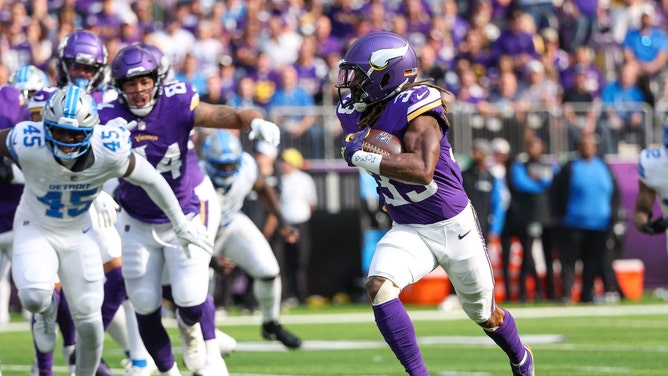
[(106, 211), (655, 226), (352, 144), (120, 122), (194, 234), (265, 130)]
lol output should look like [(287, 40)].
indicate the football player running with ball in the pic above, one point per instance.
[(421, 188), (65, 160)]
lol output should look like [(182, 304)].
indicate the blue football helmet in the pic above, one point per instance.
[(136, 61), (28, 79), (69, 117), (222, 153), (376, 67), (85, 48)]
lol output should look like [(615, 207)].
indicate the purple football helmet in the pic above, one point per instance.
[(84, 48), (164, 65), (136, 61), (376, 67)]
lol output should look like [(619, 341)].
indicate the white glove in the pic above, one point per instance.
[(120, 122), (106, 209), (194, 234), (265, 130)]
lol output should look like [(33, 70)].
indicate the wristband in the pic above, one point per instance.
[(368, 161)]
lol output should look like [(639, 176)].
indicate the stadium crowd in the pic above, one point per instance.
[(494, 56)]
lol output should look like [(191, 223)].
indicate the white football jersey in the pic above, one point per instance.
[(652, 169), (232, 200), (55, 196)]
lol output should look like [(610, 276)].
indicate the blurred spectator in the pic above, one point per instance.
[(469, 89), (458, 26), (296, 122), (585, 198), (475, 49), (245, 95), (108, 20), (298, 201), (227, 72), (500, 157), (326, 43), (542, 12), (583, 58), (418, 23), (502, 107), (540, 98), (376, 15), (311, 70), (267, 79), (174, 41), (246, 48), (428, 66), (145, 22), (529, 218), (214, 91), (281, 42), (15, 48), (580, 110), (626, 15), (129, 31), (577, 22), (479, 184), (622, 112), (516, 42), (554, 58), (41, 46), (207, 49), (648, 47), (343, 17), (191, 73)]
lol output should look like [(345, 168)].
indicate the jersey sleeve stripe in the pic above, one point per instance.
[(422, 109)]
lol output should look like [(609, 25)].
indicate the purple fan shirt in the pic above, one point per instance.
[(414, 203), (12, 111), (162, 137)]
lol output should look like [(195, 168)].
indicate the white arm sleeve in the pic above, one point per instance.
[(147, 177)]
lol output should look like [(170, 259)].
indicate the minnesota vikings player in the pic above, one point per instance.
[(652, 185), (12, 111), (235, 174), (165, 116), (65, 160), (192, 342), (434, 222)]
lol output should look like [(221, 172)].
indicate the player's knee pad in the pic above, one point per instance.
[(86, 306), (90, 330), (35, 300), (145, 301), (387, 291)]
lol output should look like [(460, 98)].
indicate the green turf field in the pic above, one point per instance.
[(624, 339)]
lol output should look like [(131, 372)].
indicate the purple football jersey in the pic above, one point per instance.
[(408, 203), (12, 111), (162, 137)]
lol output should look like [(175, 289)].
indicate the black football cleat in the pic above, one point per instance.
[(272, 330)]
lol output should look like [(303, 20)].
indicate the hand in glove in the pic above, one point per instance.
[(194, 234), (106, 211), (352, 144), (655, 226), (120, 122), (265, 130)]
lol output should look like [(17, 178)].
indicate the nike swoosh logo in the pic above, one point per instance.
[(421, 95), (461, 236), (38, 97), (88, 229)]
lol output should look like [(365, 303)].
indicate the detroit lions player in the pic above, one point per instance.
[(65, 160), (165, 116), (235, 174), (434, 222), (652, 185)]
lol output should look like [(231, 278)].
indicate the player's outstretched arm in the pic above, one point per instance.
[(4, 150), (141, 173), (226, 117), (642, 216)]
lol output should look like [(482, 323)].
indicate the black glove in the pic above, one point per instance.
[(655, 226)]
